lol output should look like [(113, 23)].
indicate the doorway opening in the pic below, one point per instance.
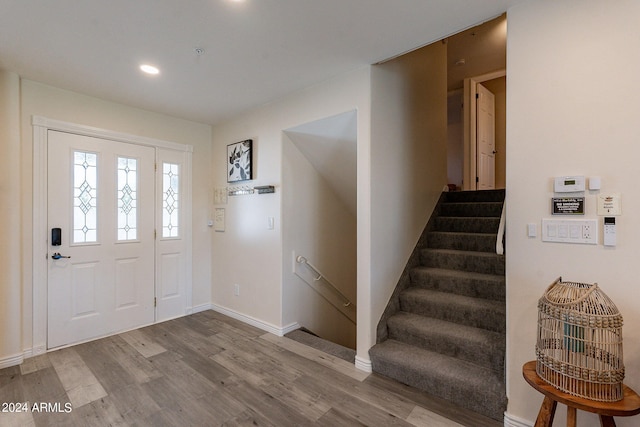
[(476, 58)]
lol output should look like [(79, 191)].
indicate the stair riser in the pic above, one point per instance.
[(477, 317), (463, 262), (475, 196), (466, 224), (482, 354), (482, 209), (462, 242), (493, 289)]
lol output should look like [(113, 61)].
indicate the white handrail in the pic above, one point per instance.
[(302, 260), (500, 237)]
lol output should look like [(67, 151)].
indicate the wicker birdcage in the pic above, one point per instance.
[(579, 346)]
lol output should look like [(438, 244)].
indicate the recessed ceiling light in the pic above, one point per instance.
[(149, 69)]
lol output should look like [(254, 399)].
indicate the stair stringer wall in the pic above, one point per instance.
[(393, 306)]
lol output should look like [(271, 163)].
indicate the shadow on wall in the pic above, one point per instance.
[(319, 222)]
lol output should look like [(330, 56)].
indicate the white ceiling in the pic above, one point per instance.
[(255, 52)]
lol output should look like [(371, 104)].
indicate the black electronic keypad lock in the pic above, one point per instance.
[(56, 237)]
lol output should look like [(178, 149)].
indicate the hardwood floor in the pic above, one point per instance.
[(210, 370)]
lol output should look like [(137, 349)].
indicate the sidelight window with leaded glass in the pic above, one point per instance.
[(85, 197), (127, 199), (170, 199)]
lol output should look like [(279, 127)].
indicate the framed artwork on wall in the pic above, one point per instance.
[(239, 161)]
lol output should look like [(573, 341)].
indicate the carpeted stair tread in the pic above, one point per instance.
[(462, 241), (475, 209), (476, 312), (488, 224), (321, 344), (477, 285), (472, 261), (478, 346), (476, 196), (444, 329), (466, 384)]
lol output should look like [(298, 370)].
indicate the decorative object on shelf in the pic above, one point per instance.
[(239, 160), (240, 190), (264, 189), (579, 344)]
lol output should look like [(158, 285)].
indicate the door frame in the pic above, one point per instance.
[(41, 126), (470, 162)]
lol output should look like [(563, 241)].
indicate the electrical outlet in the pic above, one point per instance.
[(236, 290), (581, 231)]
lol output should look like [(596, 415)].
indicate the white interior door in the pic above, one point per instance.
[(101, 195), (486, 137)]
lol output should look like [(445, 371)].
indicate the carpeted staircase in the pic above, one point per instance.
[(445, 325)]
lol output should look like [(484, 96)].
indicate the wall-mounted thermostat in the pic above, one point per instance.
[(568, 184)]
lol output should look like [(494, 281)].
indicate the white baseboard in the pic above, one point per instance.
[(201, 307), (513, 421), (268, 327), (364, 364), (13, 360)]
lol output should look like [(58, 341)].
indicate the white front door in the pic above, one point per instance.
[(486, 136), (101, 198)]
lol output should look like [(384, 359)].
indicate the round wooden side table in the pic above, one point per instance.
[(628, 406)]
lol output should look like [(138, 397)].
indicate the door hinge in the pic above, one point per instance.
[(477, 179), (477, 95), (155, 167), (155, 234), (155, 301)]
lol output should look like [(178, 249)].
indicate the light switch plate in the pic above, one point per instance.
[(580, 231)]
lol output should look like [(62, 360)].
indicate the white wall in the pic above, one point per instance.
[(408, 163), (572, 108), (53, 103), (247, 253), (10, 244), (318, 226)]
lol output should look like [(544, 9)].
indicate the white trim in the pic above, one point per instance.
[(201, 308), (290, 328), (41, 125), (267, 327), (469, 122), (364, 364), (513, 421), (51, 124), (13, 360)]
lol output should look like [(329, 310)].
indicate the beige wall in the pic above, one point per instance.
[(247, 253), (53, 103), (573, 108), (408, 162), (320, 227), (10, 214)]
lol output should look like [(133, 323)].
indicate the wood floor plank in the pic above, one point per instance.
[(133, 403), (101, 412), (98, 359), (317, 356), (433, 403), (141, 342), (421, 417), (81, 385), (343, 401), (139, 367), (211, 370), (34, 364)]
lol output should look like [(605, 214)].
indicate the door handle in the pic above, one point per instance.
[(57, 255)]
